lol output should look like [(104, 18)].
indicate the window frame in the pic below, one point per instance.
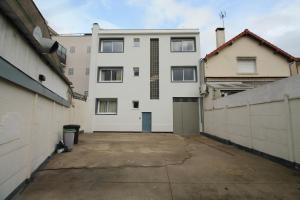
[(88, 49), (195, 80), (135, 43), (240, 58), (97, 106), (72, 49), (136, 69), (134, 101), (71, 69), (110, 39), (183, 38), (109, 68)]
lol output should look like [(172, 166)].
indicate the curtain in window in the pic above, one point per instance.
[(112, 106), (177, 74), (103, 106), (105, 75), (118, 46), (107, 46), (189, 74), (176, 45), (188, 45)]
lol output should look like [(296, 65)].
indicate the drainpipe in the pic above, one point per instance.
[(202, 82)]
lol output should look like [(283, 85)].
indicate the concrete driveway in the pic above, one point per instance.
[(160, 166)]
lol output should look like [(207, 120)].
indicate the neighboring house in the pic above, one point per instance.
[(144, 80), (244, 62), (77, 48), (297, 71), (35, 94)]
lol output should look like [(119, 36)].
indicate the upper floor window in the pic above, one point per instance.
[(136, 71), (115, 45), (183, 44), (246, 65), (184, 74), (136, 42), (72, 49), (110, 74), (71, 71), (87, 71), (88, 49)]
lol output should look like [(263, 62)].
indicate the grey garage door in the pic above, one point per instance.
[(185, 115)]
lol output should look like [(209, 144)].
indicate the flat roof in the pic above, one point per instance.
[(147, 31)]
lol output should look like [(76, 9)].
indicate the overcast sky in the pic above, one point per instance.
[(278, 21)]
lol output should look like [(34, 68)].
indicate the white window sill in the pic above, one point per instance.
[(247, 73), (106, 113), (110, 82), (184, 81)]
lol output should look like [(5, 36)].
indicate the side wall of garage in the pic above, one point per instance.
[(265, 118)]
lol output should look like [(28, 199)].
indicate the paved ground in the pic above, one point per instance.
[(160, 166)]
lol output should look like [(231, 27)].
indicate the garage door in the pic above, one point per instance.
[(185, 115)]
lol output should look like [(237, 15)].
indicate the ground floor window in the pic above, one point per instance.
[(106, 106), (135, 104)]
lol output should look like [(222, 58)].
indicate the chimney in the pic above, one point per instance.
[(220, 36)]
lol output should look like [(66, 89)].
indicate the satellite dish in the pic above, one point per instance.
[(37, 33), (49, 46)]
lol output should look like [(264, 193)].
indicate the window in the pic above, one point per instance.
[(88, 49), (106, 106), (112, 45), (110, 74), (135, 104), (183, 44), (71, 71), (184, 74), (246, 65), (136, 42), (86, 93), (72, 49), (154, 68), (136, 71), (87, 71)]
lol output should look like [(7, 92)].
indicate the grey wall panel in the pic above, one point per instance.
[(185, 116), (16, 76), (177, 117)]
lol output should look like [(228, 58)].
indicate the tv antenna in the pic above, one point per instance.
[(222, 15)]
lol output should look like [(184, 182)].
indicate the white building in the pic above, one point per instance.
[(78, 48), (140, 79)]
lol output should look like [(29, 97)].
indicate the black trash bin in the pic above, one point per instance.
[(76, 127)]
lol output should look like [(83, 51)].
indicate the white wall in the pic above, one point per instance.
[(265, 119), (30, 124), (268, 64), (16, 50), (79, 60), (138, 88), (30, 128)]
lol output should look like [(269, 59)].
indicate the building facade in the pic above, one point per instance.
[(78, 49), (35, 98), (144, 80), (244, 62)]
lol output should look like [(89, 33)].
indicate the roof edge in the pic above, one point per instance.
[(248, 33)]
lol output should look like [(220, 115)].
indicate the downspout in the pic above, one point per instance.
[(202, 82)]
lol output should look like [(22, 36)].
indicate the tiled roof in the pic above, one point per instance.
[(247, 33)]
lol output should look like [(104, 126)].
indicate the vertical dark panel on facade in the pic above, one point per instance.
[(154, 68)]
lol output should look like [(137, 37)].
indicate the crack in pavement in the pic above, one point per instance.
[(181, 162)]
